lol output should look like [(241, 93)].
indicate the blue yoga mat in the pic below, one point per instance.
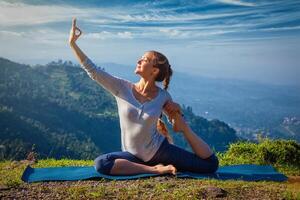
[(238, 172)]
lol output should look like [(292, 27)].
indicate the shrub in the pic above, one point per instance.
[(267, 151)]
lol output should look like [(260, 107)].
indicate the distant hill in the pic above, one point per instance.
[(60, 112), (290, 126)]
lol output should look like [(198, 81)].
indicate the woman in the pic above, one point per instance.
[(140, 105)]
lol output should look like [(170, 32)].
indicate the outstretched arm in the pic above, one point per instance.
[(110, 83)]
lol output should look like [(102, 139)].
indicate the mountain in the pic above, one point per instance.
[(58, 111), (290, 127)]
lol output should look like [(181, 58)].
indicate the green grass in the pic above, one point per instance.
[(63, 162), (11, 171), (285, 152), (284, 155), (10, 174)]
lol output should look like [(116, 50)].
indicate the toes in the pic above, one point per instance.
[(174, 171)]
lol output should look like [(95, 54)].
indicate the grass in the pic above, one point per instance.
[(164, 187), (150, 188), (284, 155)]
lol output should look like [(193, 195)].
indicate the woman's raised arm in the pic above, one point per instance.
[(111, 83)]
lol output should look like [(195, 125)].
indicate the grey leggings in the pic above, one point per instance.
[(167, 153)]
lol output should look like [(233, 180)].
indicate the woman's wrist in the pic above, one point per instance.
[(72, 43), (186, 129)]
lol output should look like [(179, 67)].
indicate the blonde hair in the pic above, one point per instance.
[(165, 72)]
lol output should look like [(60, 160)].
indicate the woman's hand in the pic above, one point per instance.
[(171, 108), (173, 111), (179, 123), (73, 36)]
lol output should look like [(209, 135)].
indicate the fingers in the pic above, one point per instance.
[(78, 31), (172, 111), (171, 103), (172, 107), (178, 123), (74, 22), (168, 106)]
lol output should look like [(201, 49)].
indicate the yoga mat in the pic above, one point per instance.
[(238, 172)]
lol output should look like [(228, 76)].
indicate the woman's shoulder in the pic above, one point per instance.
[(127, 83)]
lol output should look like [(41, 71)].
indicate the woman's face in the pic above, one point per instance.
[(145, 67)]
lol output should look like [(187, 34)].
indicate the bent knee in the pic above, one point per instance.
[(210, 165), (214, 163), (103, 164)]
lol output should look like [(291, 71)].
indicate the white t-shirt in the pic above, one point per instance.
[(138, 121)]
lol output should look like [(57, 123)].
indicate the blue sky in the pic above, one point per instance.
[(248, 40)]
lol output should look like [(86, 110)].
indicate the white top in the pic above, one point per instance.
[(138, 121)]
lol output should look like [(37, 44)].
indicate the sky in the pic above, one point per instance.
[(246, 40)]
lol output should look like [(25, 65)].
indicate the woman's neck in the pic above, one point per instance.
[(146, 86)]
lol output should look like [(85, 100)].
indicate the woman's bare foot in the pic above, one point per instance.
[(179, 123), (162, 169)]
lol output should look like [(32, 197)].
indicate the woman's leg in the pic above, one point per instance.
[(124, 163), (184, 160), (125, 167), (200, 147)]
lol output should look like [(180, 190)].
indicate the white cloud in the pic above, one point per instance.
[(175, 17), (37, 36), (191, 34), (236, 2), (4, 33), (19, 14), (125, 35), (103, 35), (282, 28), (172, 32)]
